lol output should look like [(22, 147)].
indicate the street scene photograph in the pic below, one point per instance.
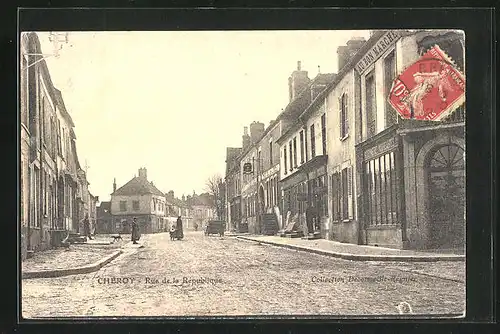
[(274, 173)]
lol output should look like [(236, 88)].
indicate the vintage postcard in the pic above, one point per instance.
[(242, 173)]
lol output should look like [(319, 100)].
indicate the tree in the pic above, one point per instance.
[(216, 187)]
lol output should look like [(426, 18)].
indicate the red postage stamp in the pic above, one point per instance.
[(430, 89)]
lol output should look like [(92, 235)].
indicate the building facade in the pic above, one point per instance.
[(48, 160), (375, 178), (178, 207), (303, 156), (140, 199), (411, 173), (233, 188), (201, 208)]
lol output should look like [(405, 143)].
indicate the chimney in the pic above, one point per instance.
[(346, 52), (246, 138), (297, 81), (256, 131), (114, 184), (143, 173), (152, 183), (171, 193)]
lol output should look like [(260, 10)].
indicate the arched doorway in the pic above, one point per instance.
[(446, 195)]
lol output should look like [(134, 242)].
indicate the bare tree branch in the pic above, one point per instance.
[(216, 187)]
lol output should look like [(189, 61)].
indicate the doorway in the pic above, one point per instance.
[(446, 192)]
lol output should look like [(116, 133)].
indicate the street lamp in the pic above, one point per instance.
[(250, 169)]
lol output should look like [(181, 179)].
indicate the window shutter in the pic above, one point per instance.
[(346, 114), (349, 192), (340, 117)]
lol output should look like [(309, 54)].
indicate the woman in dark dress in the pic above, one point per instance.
[(135, 231), (180, 233)]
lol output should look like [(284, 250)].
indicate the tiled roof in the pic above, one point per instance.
[(105, 206), (175, 201), (137, 186)]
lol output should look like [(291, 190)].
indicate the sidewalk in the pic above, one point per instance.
[(351, 251), (77, 259)]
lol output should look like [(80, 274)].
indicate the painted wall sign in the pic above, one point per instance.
[(383, 44)]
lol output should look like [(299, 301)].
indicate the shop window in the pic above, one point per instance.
[(342, 199), (382, 190)]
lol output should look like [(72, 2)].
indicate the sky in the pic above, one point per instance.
[(173, 101)]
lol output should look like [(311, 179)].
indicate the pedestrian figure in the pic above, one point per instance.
[(172, 232), (180, 233), (86, 226), (195, 227), (310, 217), (135, 231)]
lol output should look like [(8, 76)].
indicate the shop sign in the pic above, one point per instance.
[(383, 44)]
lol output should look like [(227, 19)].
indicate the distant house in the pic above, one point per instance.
[(202, 208), (178, 207), (138, 198), (105, 219)]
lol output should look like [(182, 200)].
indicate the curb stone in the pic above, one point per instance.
[(362, 257), (72, 271)]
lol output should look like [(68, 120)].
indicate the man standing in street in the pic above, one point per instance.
[(86, 226), (310, 217)]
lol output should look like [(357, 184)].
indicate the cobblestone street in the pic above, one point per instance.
[(224, 276)]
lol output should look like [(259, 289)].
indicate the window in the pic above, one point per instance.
[(382, 192), (35, 212), (336, 190), (301, 138), (371, 106), (285, 161), (270, 153), (344, 122), (342, 199), (391, 116), (123, 205), (323, 133), (290, 150), (135, 205), (305, 145), (313, 142), (295, 152), (344, 193)]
